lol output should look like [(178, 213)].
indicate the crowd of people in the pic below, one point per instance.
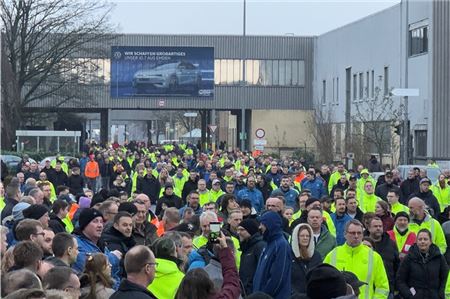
[(174, 222)]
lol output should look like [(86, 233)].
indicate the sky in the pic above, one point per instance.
[(264, 17)]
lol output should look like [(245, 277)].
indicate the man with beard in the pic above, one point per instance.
[(383, 189), (386, 248), (119, 235), (88, 239), (402, 236), (252, 245), (427, 196), (421, 219), (289, 194)]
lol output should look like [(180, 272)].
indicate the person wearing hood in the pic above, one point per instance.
[(273, 273), (374, 165), (423, 273), (167, 275), (368, 200), (169, 199), (305, 257), (252, 245), (119, 235), (427, 196), (409, 186)]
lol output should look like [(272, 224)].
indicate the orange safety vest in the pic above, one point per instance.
[(159, 225), (73, 210)]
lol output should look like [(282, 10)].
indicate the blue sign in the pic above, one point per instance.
[(162, 71)]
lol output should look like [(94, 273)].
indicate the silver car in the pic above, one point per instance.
[(168, 77)]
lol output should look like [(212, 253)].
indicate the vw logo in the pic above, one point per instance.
[(117, 55)]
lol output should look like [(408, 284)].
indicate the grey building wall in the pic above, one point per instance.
[(226, 97), (441, 79)]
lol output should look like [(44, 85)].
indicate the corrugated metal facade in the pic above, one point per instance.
[(441, 79), (226, 97)]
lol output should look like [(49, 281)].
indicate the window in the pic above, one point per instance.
[(282, 69), (275, 73), (418, 41), (361, 86), (372, 84), (324, 92), (337, 90), (386, 80), (420, 142), (355, 87), (366, 91)]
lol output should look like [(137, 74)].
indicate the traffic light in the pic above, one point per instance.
[(398, 129)]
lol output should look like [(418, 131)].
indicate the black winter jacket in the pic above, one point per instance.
[(430, 200), (169, 201), (389, 253), (383, 189), (115, 240), (408, 187), (56, 224), (298, 272), (129, 290), (148, 185), (76, 184), (189, 186), (251, 250), (426, 274)]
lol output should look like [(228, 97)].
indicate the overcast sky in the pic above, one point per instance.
[(298, 17)]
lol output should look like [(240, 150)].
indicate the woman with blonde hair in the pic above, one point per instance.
[(96, 280), (305, 257)]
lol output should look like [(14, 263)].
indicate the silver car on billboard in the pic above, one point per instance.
[(169, 77)]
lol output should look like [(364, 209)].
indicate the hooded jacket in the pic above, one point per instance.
[(251, 251), (167, 279), (427, 274), (273, 273), (301, 265)]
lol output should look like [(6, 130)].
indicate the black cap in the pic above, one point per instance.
[(324, 282), (250, 225), (311, 201), (352, 280), (86, 216), (425, 180), (401, 214)]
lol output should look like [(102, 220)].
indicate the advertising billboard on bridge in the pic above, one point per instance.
[(162, 71)]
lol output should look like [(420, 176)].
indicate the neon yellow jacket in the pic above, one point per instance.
[(167, 279), (179, 182), (69, 225), (215, 194), (398, 207), (334, 178), (442, 195), (367, 202), (205, 197), (2, 202), (366, 264), (436, 231), (361, 182)]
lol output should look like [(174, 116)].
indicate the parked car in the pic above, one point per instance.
[(51, 158), (11, 161), (168, 77), (432, 173)]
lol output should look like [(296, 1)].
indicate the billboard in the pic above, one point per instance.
[(162, 71)]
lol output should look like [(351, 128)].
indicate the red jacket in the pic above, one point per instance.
[(231, 288)]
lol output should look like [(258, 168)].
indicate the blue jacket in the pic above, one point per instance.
[(86, 246), (275, 178), (254, 195), (290, 197), (273, 273), (339, 223), (316, 187)]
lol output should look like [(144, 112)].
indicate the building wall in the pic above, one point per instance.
[(286, 129), (226, 97)]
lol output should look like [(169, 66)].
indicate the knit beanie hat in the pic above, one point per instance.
[(84, 202), (324, 282), (401, 214), (128, 207), (86, 216), (250, 225), (34, 212), (311, 200), (17, 211)]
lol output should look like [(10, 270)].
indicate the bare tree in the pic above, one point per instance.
[(48, 48), (377, 116), (320, 127)]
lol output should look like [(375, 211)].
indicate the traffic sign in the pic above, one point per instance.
[(212, 128), (260, 133), (162, 103), (260, 142)]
